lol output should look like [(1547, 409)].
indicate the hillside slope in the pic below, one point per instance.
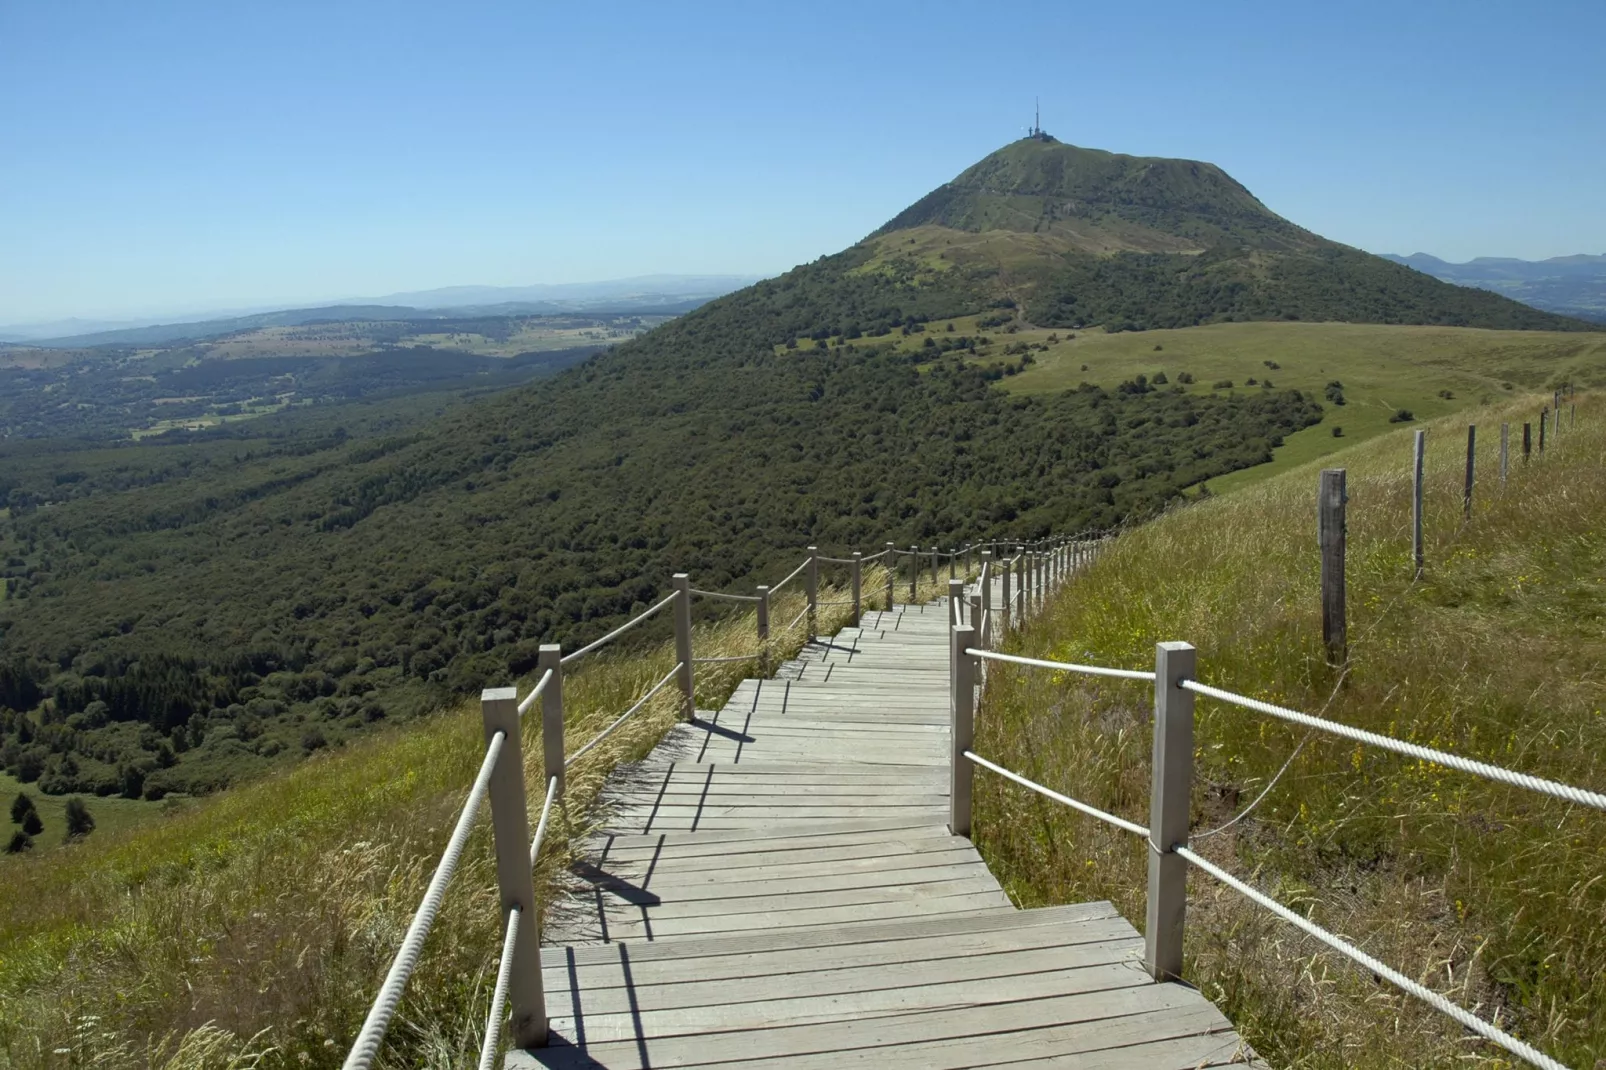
[(1487, 893), (1081, 237)]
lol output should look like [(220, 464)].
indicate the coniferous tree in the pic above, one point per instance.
[(31, 825), (20, 842), (79, 821), (21, 807)]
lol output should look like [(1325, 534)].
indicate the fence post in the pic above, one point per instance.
[(1169, 795), (934, 562), (892, 572), (914, 574), (688, 682), (549, 656), (962, 710), (956, 601), (985, 631), (1416, 503), (1003, 616), (1466, 495), (1330, 529), (1505, 450), (858, 586), (763, 613), (953, 563), (811, 583), (510, 825), (1544, 418), (1527, 441)]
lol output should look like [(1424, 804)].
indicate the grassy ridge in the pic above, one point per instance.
[(253, 928), (1488, 893)]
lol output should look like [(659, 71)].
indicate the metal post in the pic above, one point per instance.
[(549, 656), (1004, 610), (811, 587), (892, 572), (1416, 503), (1330, 528), (1505, 450), (1466, 495), (962, 710), (858, 586), (1168, 810), (763, 613), (688, 683), (510, 825)]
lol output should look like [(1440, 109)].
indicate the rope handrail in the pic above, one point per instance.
[(540, 686), (792, 576), (878, 554), (1553, 788), (1075, 804), (836, 560), (1063, 666), (642, 701), (366, 1046), (726, 597), (1471, 1021), (721, 661), (833, 601), (540, 826), (504, 977), (796, 619), (616, 633)]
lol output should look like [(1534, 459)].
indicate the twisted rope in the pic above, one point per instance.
[(616, 633), (540, 827), (726, 597), (1090, 811), (794, 575), (504, 976), (1063, 666), (1471, 1021), (642, 701), (540, 686), (366, 1046), (1410, 750)]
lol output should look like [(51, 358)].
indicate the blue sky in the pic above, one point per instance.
[(174, 156)]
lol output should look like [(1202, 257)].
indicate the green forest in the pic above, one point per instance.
[(187, 610)]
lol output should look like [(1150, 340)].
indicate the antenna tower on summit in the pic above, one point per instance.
[(1036, 130)]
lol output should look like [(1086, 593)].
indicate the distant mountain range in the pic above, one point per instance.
[(1571, 285), (644, 293)]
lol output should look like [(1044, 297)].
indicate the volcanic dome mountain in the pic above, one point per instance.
[(1083, 237)]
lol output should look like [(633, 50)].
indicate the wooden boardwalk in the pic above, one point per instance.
[(777, 886)]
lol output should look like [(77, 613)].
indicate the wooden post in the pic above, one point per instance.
[(1416, 503), (688, 682), (1544, 418), (1466, 494), (914, 574), (985, 633), (510, 825), (962, 711), (934, 564), (1331, 533), (1169, 807), (858, 586), (892, 572), (977, 621), (763, 612), (1004, 610), (811, 588), (956, 601), (1527, 441), (953, 563), (550, 656), (1505, 450)]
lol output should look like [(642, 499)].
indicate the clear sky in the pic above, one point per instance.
[(164, 155)]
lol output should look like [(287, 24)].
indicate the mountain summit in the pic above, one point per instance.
[(1082, 237)]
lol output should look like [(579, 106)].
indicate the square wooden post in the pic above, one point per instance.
[(962, 711), (550, 657), (892, 572), (1170, 803), (1505, 450), (1416, 501), (985, 625), (1466, 495), (1007, 599), (510, 825), (1331, 533), (682, 609), (858, 587), (811, 588), (763, 613), (914, 574)]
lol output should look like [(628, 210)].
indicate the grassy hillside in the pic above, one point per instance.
[(1489, 894), (258, 924)]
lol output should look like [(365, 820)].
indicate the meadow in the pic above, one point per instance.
[(1487, 893)]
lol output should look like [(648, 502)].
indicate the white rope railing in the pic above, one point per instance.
[(540, 686), (1091, 811), (725, 597), (796, 620), (540, 826), (724, 660), (1471, 1021), (600, 736), (616, 633), (794, 574), (835, 560), (877, 555), (366, 1046), (1063, 666), (504, 976), (1411, 750)]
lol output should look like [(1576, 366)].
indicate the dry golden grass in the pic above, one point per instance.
[(253, 929), (1490, 894)]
